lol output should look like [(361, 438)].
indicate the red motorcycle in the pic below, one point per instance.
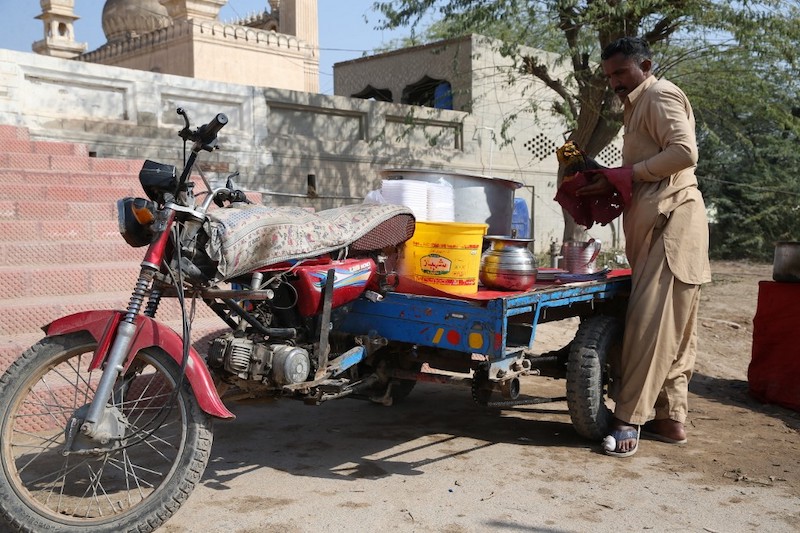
[(106, 423)]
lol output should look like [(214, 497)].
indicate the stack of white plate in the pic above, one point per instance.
[(441, 205), (410, 193)]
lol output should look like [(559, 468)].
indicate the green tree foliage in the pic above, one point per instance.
[(747, 103), (737, 61), (749, 135)]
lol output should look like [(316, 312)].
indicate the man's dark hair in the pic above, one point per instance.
[(634, 47)]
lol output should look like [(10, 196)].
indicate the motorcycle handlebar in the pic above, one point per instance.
[(204, 138), (208, 132)]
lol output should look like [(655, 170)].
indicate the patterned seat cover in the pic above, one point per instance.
[(245, 237)]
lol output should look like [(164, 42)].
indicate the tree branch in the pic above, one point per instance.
[(662, 29), (567, 16), (530, 65)]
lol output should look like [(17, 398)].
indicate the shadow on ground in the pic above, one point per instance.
[(734, 392), (351, 439)]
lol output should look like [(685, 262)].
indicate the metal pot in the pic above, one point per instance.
[(508, 264), (786, 265), (477, 199)]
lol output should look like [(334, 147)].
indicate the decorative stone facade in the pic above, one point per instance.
[(124, 20), (277, 49), (58, 17)]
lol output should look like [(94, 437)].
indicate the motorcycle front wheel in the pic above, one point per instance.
[(157, 452)]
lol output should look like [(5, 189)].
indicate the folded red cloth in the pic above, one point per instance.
[(586, 210)]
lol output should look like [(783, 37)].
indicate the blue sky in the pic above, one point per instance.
[(346, 28)]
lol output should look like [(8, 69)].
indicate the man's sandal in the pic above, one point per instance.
[(611, 442)]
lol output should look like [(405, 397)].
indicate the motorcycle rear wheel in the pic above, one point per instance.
[(160, 454)]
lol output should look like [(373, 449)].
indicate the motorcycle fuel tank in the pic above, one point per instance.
[(350, 281)]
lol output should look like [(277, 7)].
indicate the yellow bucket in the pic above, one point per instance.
[(445, 255)]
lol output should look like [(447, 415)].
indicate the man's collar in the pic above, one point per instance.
[(634, 94)]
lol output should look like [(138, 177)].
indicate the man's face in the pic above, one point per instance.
[(625, 73)]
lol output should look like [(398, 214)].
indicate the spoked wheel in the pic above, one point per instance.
[(596, 345), (156, 449)]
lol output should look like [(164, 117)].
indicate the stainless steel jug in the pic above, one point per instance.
[(580, 257)]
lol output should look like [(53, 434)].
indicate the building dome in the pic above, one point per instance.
[(123, 19)]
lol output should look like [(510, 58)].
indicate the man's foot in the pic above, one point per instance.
[(665, 430), (623, 441)]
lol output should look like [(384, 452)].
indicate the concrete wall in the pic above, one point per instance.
[(451, 60), (275, 137)]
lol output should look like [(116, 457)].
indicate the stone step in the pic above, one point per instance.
[(27, 315), (58, 230), (57, 148), (93, 193), (9, 132), (29, 188), (73, 163), (57, 211), (32, 210), (203, 331), (88, 180), (64, 280), (67, 253)]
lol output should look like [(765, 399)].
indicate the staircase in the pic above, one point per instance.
[(60, 248)]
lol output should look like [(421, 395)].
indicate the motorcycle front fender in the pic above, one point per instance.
[(101, 325)]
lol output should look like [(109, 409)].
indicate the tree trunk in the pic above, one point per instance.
[(598, 124)]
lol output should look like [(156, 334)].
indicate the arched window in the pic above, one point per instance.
[(371, 93)]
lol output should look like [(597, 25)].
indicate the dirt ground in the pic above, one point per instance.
[(438, 462)]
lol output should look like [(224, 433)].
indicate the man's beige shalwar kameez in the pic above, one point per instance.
[(666, 234)]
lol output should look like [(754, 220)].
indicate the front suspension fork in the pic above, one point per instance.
[(114, 365), (126, 329)]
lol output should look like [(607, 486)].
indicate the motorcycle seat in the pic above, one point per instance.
[(246, 237)]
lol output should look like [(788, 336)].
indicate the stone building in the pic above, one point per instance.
[(276, 48)]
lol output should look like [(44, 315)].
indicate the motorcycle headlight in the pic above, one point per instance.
[(135, 217), (158, 180)]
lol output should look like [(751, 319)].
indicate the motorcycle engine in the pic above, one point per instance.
[(278, 364)]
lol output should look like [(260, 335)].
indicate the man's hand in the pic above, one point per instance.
[(598, 184), (596, 195)]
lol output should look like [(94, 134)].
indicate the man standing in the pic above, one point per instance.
[(666, 233)]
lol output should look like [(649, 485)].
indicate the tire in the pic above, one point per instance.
[(162, 444), (598, 340)]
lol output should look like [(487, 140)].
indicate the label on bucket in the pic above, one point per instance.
[(446, 282), (435, 264)]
